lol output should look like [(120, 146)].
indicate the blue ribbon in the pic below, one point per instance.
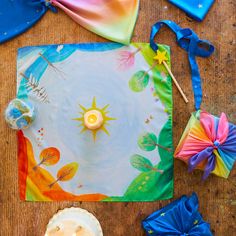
[(189, 41)]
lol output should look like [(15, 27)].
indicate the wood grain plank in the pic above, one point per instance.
[(216, 195)]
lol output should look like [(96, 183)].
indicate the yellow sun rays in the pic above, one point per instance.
[(103, 111)]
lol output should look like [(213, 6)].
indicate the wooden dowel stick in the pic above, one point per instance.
[(175, 81)]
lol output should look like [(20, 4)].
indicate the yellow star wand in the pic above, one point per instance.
[(161, 58)]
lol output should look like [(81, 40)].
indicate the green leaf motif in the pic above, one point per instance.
[(141, 163), (139, 81), (147, 142)]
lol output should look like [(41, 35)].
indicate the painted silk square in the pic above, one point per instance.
[(129, 158)]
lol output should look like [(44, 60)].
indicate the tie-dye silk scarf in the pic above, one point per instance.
[(111, 19), (208, 143)]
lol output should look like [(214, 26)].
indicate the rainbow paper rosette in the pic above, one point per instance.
[(208, 143)]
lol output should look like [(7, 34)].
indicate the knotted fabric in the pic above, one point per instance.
[(111, 19), (188, 40), (208, 143), (181, 217)]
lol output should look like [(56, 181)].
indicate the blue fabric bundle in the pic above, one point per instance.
[(16, 16), (197, 9), (180, 217)]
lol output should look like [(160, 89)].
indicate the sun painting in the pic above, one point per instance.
[(94, 119)]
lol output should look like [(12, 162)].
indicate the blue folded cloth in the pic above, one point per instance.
[(181, 217), (16, 16), (197, 9)]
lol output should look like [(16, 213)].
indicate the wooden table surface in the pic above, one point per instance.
[(217, 195)]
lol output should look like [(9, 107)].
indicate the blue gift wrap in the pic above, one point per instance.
[(181, 217), (197, 9), (16, 16)]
